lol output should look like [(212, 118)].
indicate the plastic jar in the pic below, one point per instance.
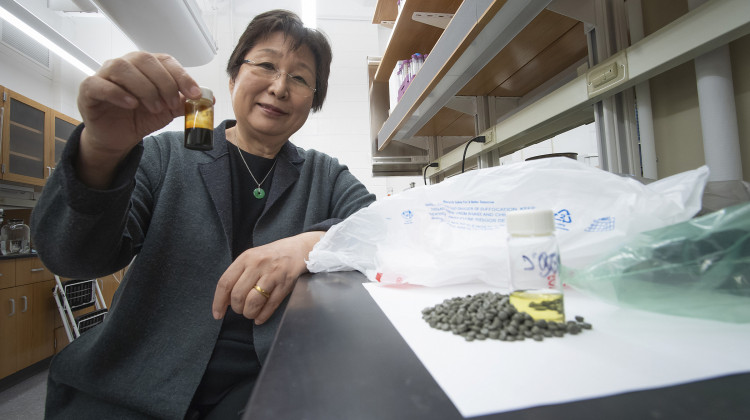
[(534, 265), (199, 121)]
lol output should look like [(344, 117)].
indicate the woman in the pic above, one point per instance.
[(194, 317)]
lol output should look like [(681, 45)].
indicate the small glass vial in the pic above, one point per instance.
[(16, 237), (199, 121), (534, 265)]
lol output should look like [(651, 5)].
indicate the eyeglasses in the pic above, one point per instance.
[(297, 84)]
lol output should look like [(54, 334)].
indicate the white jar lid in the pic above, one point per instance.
[(207, 93), (531, 222)]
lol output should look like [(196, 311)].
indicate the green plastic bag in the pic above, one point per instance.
[(699, 268)]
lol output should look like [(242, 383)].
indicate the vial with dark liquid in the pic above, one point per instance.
[(199, 121)]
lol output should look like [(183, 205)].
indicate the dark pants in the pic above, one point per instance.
[(231, 406)]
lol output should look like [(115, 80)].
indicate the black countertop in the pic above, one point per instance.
[(337, 356), (14, 256)]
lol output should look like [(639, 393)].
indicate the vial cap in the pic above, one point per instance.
[(531, 222), (207, 93)]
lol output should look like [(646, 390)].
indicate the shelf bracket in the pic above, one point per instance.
[(465, 104), (440, 20), (583, 11), (497, 106)]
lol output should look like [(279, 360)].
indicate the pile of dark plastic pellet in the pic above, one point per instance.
[(491, 315)]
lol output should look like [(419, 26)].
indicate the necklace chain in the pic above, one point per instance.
[(258, 192)]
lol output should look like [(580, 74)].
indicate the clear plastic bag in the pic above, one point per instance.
[(699, 268), (454, 232)]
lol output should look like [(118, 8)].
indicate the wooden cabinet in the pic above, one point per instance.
[(15, 324), (31, 270), (7, 273), (62, 128), (109, 285), (27, 311), (32, 138), (42, 320), (25, 128)]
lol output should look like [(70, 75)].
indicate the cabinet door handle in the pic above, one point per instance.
[(34, 270), (2, 121), (12, 307), (25, 303)]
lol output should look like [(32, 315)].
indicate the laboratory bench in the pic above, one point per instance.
[(337, 356), (15, 256)]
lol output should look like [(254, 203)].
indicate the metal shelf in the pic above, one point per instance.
[(714, 24), (490, 48), (409, 36)]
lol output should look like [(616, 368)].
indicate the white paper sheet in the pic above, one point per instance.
[(627, 350)]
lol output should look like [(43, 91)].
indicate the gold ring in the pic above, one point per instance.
[(262, 292)]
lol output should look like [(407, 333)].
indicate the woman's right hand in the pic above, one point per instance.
[(127, 99)]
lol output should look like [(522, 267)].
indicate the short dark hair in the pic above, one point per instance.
[(288, 23)]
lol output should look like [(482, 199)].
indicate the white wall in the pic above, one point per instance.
[(341, 127), (581, 140)]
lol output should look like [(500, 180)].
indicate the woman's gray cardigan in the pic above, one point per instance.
[(172, 208)]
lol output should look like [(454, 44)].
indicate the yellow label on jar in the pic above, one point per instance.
[(540, 304)]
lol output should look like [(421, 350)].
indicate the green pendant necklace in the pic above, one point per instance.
[(258, 192)]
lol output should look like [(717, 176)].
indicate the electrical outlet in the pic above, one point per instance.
[(489, 136)]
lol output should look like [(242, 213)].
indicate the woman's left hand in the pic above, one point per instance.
[(273, 268)]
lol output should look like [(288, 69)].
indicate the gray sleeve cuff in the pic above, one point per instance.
[(89, 200), (324, 225)]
